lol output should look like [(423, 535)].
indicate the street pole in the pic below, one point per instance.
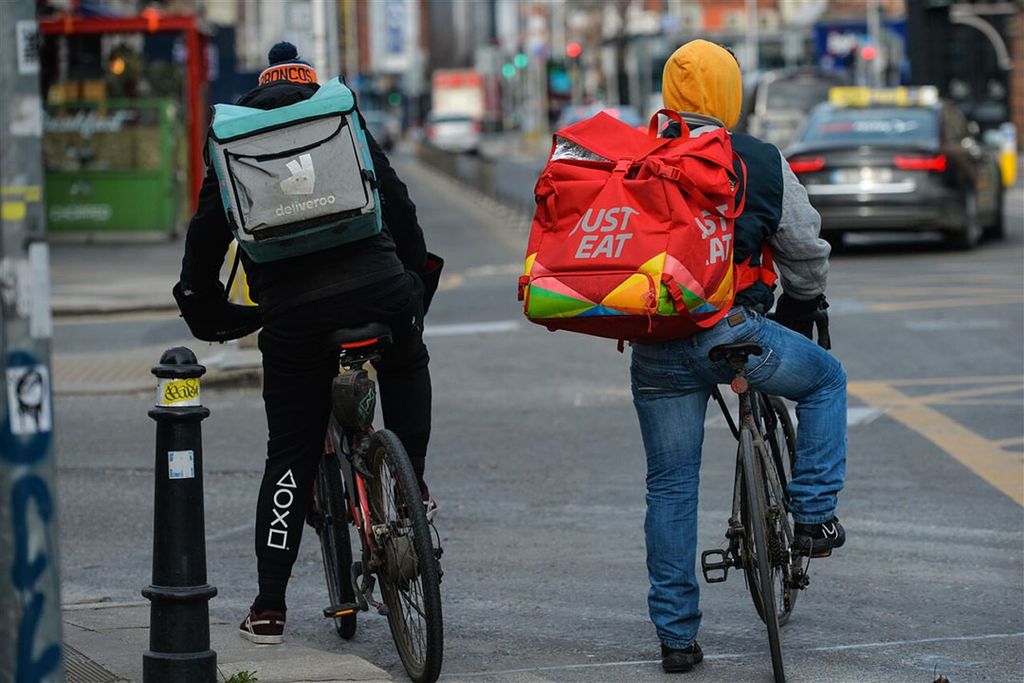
[(30, 611), (753, 38), (875, 37)]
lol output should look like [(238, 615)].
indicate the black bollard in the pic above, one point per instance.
[(179, 616)]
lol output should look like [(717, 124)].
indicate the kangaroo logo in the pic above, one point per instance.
[(303, 176)]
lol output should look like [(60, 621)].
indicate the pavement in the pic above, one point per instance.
[(104, 643), (104, 281)]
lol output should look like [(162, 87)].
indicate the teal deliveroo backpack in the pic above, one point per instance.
[(296, 179)]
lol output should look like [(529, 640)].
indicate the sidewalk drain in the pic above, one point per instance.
[(80, 669)]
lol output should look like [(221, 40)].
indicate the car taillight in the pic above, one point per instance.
[(476, 126), (807, 164), (431, 131), (935, 163)]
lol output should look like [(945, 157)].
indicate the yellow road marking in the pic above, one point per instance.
[(1001, 469), (944, 397), (892, 306), (933, 381), (932, 292)]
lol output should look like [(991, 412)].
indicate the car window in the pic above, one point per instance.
[(872, 127), (799, 94)]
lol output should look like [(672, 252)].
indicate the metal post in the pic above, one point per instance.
[(30, 611), (179, 616)]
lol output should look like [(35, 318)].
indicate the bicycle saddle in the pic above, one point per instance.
[(731, 350), (364, 336)]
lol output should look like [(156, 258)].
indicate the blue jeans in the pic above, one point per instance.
[(672, 383)]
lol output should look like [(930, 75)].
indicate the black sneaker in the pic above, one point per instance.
[(263, 628), (818, 540), (675, 661)]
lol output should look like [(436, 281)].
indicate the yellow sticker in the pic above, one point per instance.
[(13, 211), (178, 392)]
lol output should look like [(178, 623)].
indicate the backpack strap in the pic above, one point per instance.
[(234, 269), (747, 275)]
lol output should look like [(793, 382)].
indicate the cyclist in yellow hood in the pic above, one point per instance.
[(672, 381), (703, 78)]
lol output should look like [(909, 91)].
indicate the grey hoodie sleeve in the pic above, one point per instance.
[(801, 256)]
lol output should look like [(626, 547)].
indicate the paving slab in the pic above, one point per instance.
[(106, 643)]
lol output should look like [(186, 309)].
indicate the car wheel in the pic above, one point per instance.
[(997, 230), (970, 232)]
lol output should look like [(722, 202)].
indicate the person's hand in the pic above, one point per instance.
[(803, 315), (210, 317)]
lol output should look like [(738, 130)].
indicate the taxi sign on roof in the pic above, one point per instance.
[(860, 96)]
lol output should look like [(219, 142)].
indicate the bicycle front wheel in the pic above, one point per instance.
[(756, 556), (331, 525), (407, 567)]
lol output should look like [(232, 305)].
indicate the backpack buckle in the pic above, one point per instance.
[(622, 165), (370, 178)]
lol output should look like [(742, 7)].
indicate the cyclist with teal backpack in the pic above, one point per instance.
[(323, 248)]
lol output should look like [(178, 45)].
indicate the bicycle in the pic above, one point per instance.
[(760, 533), (365, 478)]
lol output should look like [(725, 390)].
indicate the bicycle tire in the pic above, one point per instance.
[(335, 548), (392, 472), (780, 437), (753, 510)]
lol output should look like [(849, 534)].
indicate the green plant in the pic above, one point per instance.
[(243, 677)]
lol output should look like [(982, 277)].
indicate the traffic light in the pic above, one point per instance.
[(573, 50), (521, 60), (868, 53), (508, 70)]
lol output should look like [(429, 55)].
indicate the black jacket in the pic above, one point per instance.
[(279, 285), (778, 212)]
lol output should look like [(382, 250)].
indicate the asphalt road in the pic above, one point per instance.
[(537, 464)]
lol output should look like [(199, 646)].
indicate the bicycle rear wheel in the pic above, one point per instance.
[(780, 438), (408, 568), (331, 523), (756, 556)]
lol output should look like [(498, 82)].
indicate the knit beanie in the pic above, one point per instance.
[(285, 65), (703, 78)]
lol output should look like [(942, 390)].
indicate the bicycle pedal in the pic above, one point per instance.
[(341, 610), (722, 565)]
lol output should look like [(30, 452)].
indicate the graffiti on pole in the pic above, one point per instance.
[(26, 439)]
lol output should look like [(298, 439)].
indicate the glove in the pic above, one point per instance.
[(803, 315), (431, 278), (210, 317)]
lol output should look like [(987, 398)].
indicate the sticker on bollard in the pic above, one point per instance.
[(178, 393), (181, 465), (179, 635)]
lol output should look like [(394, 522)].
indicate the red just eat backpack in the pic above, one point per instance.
[(632, 235)]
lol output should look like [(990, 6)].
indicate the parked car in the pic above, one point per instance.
[(782, 99), (453, 132), (897, 159), (383, 126)]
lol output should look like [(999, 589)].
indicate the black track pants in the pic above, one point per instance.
[(297, 375)]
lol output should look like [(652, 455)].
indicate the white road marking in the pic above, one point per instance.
[(740, 655), (602, 396), (953, 325), (460, 329)]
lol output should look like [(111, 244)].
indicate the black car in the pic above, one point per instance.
[(897, 160)]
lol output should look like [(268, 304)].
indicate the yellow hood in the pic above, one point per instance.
[(703, 78)]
